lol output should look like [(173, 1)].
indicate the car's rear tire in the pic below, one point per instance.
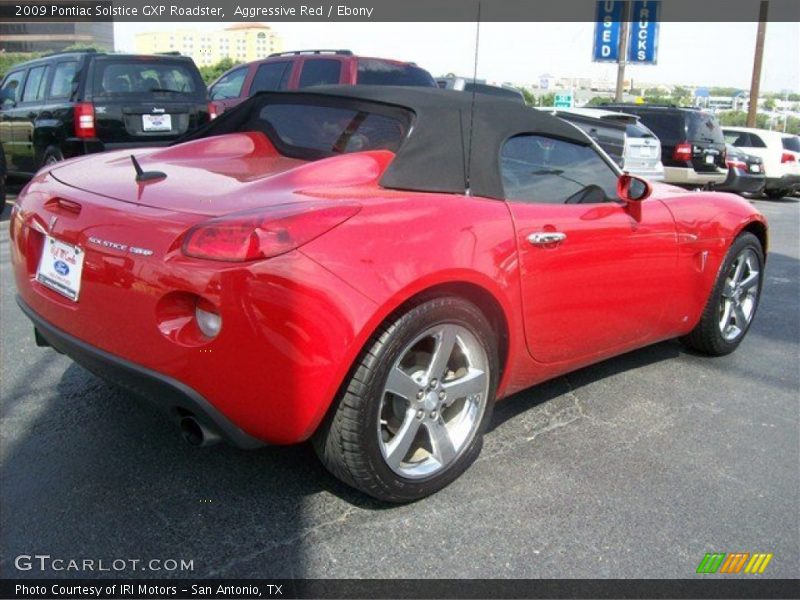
[(775, 194), (401, 429), (732, 304), (52, 156)]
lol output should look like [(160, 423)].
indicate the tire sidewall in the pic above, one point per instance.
[(411, 325)]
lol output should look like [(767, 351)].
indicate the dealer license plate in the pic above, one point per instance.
[(755, 168), (60, 268), (157, 122), (709, 159)]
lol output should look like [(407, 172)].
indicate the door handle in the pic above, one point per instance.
[(544, 238)]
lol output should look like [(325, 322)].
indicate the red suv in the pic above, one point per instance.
[(305, 68)]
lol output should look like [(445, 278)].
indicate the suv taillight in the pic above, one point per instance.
[(84, 120), (259, 234), (735, 163), (787, 157), (683, 151), (213, 111)]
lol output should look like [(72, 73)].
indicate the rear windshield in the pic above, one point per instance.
[(638, 131), (117, 78), (704, 127), (372, 71), (668, 126), (311, 132), (791, 143)]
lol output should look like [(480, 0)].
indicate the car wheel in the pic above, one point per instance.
[(775, 194), (733, 301), (52, 156), (411, 417)]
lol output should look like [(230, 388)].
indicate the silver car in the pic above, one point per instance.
[(624, 138)]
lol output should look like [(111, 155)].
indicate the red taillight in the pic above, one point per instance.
[(683, 151), (787, 157), (213, 111), (258, 234), (84, 120), (736, 164)]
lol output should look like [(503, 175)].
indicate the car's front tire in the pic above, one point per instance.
[(411, 417), (732, 305)]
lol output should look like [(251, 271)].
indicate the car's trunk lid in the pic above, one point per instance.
[(217, 175)]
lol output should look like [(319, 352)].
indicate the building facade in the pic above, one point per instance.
[(242, 42), (54, 37)]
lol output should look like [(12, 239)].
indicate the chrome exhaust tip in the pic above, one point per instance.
[(196, 434)]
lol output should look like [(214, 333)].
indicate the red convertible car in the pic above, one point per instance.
[(371, 268)]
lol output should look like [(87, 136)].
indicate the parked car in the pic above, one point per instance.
[(633, 146), (74, 103), (300, 69), (336, 264), (692, 145), (745, 173), (779, 151), (465, 84)]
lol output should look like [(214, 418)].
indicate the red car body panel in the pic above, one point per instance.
[(294, 325)]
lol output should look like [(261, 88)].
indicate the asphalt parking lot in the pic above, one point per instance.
[(632, 468)]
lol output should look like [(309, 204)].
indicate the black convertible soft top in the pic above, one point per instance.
[(434, 155)]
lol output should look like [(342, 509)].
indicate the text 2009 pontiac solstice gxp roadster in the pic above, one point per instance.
[(371, 268)]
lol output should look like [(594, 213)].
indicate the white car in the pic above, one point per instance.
[(641, 152), (779, 151)]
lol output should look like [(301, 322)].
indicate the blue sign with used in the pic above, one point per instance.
[(607, 30), (643, 43)]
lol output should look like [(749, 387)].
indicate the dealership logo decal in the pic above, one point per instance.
[(731, 564), (61, 267)]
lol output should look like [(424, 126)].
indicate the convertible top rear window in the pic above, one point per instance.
[(309, 131)]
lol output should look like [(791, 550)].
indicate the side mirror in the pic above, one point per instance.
[(633, 189)]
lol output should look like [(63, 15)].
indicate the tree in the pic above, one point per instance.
[(769, 104), (212, 72), (530, 99), (599, 101)]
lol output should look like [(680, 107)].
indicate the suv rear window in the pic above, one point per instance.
[(704, 127), (372, 71), (791, 143), (668, 126), (313, 131), (142, 77), (633, 130)]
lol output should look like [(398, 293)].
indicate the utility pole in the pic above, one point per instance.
[(759, 56), (623, 50)]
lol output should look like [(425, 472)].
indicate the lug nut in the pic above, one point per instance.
[(420, 414), (442, 395), (433, 414), (434, 383), (420, 395)]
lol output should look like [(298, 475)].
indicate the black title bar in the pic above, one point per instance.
[(376, 10), (702, 587)]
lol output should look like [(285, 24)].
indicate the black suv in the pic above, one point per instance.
[(74, 103), (692, 144)]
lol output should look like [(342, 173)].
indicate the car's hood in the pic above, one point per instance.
[(217, 175)]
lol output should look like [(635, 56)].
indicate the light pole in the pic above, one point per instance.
[(759, 56)]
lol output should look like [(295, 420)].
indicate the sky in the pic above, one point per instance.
[(710, 54)]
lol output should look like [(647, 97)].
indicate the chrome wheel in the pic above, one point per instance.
[(433, 401), (739, 295)]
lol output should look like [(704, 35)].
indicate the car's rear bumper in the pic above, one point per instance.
[(176, 398), (786, 182), (649, 174), (742, 183), (688, 176)]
